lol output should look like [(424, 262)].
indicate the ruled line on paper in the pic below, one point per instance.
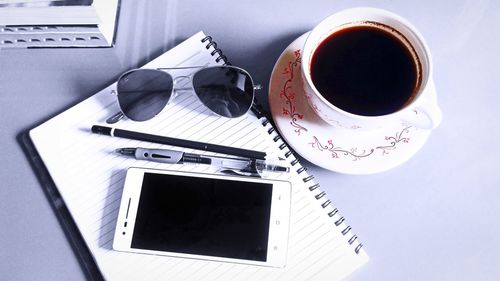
[(329, 264), (326, 256), (305, 235), (305, 262), (303, 217)]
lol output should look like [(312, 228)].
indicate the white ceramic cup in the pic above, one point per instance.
[(421, 111)]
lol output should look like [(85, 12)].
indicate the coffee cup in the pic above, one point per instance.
[(366, 68)]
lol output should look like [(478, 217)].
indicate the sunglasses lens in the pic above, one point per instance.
[(227, 91), (143, 93)]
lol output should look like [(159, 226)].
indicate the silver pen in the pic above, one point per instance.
[(246, 166)]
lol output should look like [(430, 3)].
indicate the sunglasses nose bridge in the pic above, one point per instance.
[(178, 79), (182, 83)]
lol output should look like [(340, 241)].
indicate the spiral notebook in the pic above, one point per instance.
[(89, 178)]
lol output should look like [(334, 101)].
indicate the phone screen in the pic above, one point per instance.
[(203, 216)]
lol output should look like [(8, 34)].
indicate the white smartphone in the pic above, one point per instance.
[(204, 216)]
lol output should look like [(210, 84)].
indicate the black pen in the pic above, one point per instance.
[(108, 131), (221, 163)]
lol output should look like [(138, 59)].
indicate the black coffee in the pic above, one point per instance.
[(365, 70)]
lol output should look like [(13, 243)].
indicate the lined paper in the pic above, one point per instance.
[(90, 177)]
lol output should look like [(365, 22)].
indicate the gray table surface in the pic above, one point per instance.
[(436, 217)]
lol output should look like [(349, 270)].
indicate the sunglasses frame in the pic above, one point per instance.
[(175, 79)]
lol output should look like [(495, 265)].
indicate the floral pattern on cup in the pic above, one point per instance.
[(288, 94), (356, 153)]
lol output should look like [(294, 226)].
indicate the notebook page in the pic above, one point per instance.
[(90, 177)]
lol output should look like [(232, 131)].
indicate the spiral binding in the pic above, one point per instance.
[(339, 221), (259, 111), (215, 51)]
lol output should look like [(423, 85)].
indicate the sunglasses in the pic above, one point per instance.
[(142, 94)]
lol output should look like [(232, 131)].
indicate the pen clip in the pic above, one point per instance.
[(159, 155), (239, 173)]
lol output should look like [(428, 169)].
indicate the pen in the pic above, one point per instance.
[(248, 165), (108, 131)]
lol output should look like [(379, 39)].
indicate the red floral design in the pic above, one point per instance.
[(355, 153), (288, 94), (394, 141), (337, 151)]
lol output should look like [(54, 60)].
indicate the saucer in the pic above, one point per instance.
[(347, 151)]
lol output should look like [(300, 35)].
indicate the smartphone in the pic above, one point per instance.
[(204, 216)]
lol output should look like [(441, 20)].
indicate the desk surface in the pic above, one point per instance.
[(436, 217)]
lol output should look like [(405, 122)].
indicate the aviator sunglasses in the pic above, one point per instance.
[(143, 93)]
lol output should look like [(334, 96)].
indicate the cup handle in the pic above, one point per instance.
[(427, 114)]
